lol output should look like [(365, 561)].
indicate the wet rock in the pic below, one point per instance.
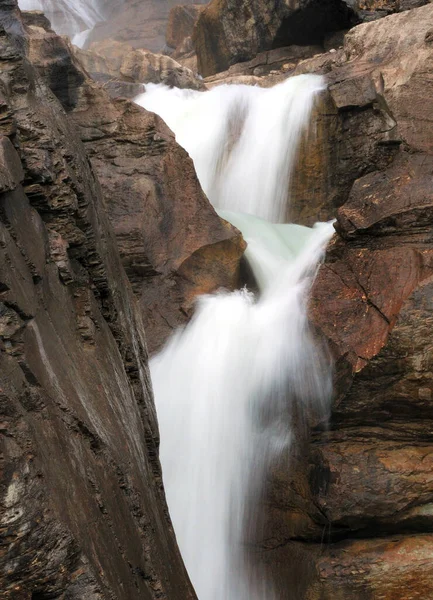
[(375, 108), (82, 508), (283, 60), (357, 505)]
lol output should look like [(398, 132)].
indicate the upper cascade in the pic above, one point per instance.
[(243, 140)]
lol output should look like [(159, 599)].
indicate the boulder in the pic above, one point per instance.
[(107, 61)]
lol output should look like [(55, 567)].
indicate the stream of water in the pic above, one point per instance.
[(225, 384)]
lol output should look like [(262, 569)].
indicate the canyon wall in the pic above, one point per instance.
[(83, 512), (349, 515)]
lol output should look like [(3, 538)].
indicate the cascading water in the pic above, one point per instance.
[(75, 18), (226, 383)]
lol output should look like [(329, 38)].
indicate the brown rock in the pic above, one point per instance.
[(181, 21), (376, 104), (172, 243), (110, 60), (140, 23), (232, 31), (283, 59), (350, 514), (82, 508)]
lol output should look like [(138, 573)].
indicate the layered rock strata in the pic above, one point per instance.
[(83, 513), (354, 519), (172, 243)]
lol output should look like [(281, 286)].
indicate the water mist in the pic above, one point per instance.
[(75, 18)]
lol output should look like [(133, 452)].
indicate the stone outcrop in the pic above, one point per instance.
[(232, 31), (375, 107), (83, 513), (180, 28), (112, 63), (120, 68), (228, 32), (172, 243), (354, 518), (371, 10), (276, 64)]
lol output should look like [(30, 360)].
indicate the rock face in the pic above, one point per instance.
[(232, 31), (180, 28), (109, 62), (172, 243), (355, 517), (82, 513), (375, 108), (140, 23), (181, 21)]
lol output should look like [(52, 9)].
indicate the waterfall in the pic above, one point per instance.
[(225, 384), (75, 18)]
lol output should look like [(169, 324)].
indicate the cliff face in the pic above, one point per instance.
[(172, 243), (83, 513), (140, 23), (349, 516), (356, 511), (230, 31)]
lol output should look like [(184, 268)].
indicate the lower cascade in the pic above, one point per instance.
[(226, 384)]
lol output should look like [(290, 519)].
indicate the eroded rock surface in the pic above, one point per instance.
[(172, 243), (355, 515), (83, 513), (232, 31), (140, 23)]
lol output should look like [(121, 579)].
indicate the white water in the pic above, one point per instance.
[(75, 18), (226, 384), (243, 139)]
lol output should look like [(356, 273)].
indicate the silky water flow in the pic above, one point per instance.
[(224, 384)]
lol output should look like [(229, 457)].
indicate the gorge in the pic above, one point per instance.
[(291, 364), (224, 386)]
